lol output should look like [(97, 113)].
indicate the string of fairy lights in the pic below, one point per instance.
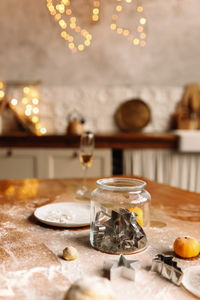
[(96, 10), (71, 32), (63, 15), (26, 107), (138, 36)]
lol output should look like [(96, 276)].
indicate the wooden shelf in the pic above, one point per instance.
[(112, 140)]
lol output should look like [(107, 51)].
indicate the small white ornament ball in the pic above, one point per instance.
[(70, 253), (90, 288)]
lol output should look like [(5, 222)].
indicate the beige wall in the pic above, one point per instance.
[(30, 46), (111, 70)]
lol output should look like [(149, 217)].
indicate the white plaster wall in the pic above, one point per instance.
[(98, 105), (111, 70)]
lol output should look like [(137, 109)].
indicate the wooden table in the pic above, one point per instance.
[(30, 252)]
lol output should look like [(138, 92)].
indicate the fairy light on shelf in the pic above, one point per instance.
[(28, 109), (138, 38), (14, 102), (2, 91), (63, 15)]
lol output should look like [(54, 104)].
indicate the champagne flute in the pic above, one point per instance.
[(86, 159)]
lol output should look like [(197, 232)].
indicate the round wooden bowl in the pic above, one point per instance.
[(132, 115)]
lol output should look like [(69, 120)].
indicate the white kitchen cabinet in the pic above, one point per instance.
[(19, 163), (66, 164), (171, 167)]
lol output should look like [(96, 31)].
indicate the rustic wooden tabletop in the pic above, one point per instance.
[(31, 252)]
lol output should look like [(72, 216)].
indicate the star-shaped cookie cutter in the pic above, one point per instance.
[(121, 268)]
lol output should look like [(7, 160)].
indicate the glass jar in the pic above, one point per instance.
[(120, 210)]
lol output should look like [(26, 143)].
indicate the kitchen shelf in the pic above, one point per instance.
[(108, 140)]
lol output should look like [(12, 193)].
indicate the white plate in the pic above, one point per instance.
[(64, 214), (191, 280)]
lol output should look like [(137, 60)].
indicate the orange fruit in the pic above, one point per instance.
[(139, 213), (186, 247)]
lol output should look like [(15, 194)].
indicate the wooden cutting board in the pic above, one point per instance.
[(132, 115)]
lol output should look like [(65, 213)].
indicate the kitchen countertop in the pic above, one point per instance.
[(103, 140), (30, 252)]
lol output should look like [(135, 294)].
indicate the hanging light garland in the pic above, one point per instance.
[(96, 10), (138, 38), (63, 15), (28, 109)]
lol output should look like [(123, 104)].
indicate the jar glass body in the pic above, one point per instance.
[(120, 207)]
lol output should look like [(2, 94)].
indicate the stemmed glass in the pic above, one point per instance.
[(86, 159)]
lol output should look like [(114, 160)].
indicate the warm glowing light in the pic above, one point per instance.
[(131, 36), (118, 8), (29, 107), (78, 29), (1, 85), (88, 36), (119, 30), (68, 12), (43, 130), (95, 18), (2, 94), (24, 100), (73, 19), (143, 35), (66, 2), (57, 17), (62, 24), (140, 29), (27, 113), (63, 34), (70, 38), (136, 42), (26, 90), (84, 32), (96, 3), (34, 93), (126, 32), (71, 45), (81, 47), (142, 43), (61, 8), (72, 25), (53, 13), (140, 9), (35, 110), (35, 101), (113, 26), (142, 21), (35, 119), (95, 11), (87, 43), (38, 126), (14, 102)]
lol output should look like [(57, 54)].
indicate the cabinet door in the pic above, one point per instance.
[(66, 164), (18, 163)]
